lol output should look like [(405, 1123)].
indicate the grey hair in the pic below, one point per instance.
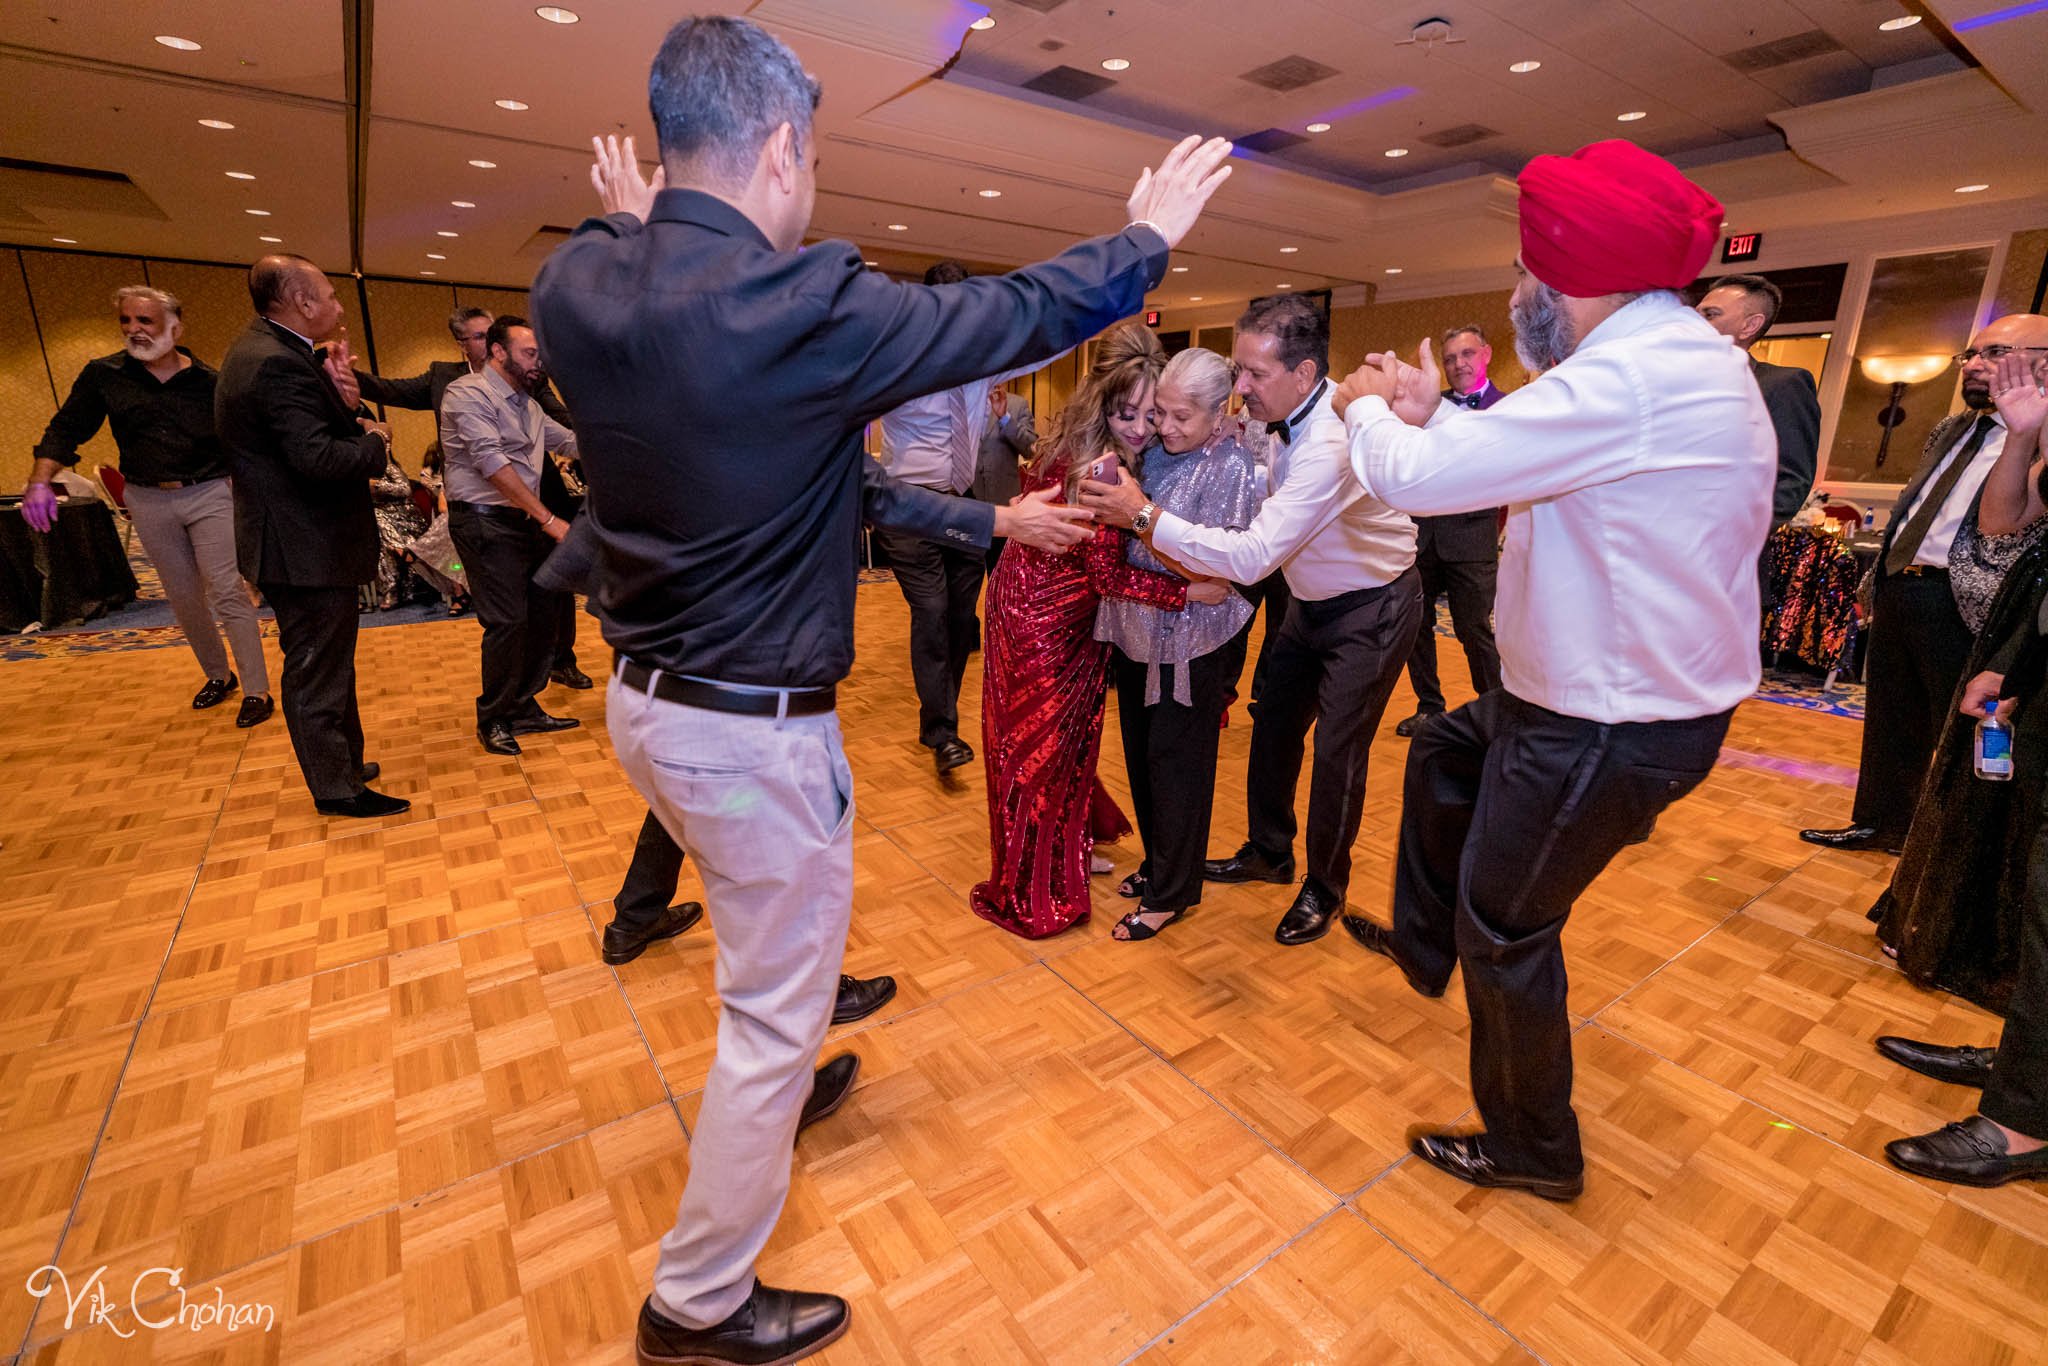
[(1201, 374), (719, 88), (1474, 328), (163, 298), (463, 317)]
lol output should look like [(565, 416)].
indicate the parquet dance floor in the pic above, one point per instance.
[(371, 1084)]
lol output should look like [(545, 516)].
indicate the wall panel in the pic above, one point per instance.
[(26, 401), (74, 304), (412, 331)]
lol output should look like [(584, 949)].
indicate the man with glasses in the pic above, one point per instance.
[(1919, 643)]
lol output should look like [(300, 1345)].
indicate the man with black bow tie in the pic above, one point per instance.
[(302, 462), (1458, 554)]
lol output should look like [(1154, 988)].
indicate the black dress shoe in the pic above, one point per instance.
[(1308, 919), (1855, 837), (950, 754), (622, 944), (254, 712), (364, 805), (1971, 1153), (1249, 864), (497, 738), (1409, 726), (569, 676), (1380, 940), (1963, 1066), (1465, 1157), (214, 693), (829, 1089), (773, 1327), (368, 772), (540, 723), (861, 997)]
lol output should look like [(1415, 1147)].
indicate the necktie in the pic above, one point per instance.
[(1906, 544), (1279, 429), (961, 477), (1470, 400)]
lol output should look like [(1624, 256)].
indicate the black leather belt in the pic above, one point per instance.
[(689, 692), (172, 483), (1924, 571)]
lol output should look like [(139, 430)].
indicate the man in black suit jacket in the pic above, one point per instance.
[(1458, 555), (302, 464), (1007, 440), (723, 378), (1742, 308)]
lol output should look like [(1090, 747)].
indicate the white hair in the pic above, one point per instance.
[(168, 301), (1200, 374)]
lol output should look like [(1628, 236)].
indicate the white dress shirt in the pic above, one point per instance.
[(1638, 477), (1327, 534), (917, 437), (1941, 532)]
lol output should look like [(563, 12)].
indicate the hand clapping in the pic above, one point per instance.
[(1412, 391), (616, 177)]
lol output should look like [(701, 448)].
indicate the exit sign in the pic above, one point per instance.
[(1742, 247), (1151, 317)]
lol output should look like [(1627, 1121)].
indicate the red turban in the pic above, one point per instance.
[(1612, 218)]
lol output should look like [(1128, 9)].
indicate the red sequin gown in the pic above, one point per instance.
[(1044, 678)]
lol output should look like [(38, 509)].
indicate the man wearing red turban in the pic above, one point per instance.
[(1637, 469)]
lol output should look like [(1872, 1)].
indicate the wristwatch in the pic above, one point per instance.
[(1142, 522)]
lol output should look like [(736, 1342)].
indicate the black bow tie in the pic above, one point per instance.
[(1280, 430), (1470, 400)]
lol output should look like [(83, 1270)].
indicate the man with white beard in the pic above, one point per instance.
[(160, 403)]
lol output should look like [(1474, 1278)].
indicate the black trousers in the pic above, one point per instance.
[(1470, 588), (1919, 647), (1333, 666), (651, 878), (942, 584), (1268, 595), (316, 631), (2017, 1095), (1170, 754), (565, 633), (500, 548), (1508, 812)]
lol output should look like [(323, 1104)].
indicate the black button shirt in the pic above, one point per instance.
[(163, 428)]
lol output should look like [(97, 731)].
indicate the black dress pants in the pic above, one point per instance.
[(501, 548), (2017, 1095), (1333, 666), (1268, 595), (1509, 811), (651, 878), (565, 633), (316, 631), (1170, 754), (1919, 646), (942, 584), (1470, 587)]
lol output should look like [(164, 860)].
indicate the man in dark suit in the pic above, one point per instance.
[(1006, 442), (302, 462), (1742, 308), (727, 495), (1919, 642), (1458, 555)]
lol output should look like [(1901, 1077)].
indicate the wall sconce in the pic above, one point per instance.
[(1898, 371)]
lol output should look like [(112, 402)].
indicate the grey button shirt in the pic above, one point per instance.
[(486, 426)]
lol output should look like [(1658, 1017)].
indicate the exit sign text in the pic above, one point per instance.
[(1743, 247)]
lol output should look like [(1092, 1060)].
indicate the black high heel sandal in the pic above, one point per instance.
[(1135, 886), (1136, 929)]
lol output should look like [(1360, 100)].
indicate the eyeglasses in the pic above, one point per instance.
[(1994, 354)]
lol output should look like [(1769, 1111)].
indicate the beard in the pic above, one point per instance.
[(1977, 396), (1543, 333), (150, 350)]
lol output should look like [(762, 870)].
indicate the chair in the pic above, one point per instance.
[(115, 487), (1846, 513)]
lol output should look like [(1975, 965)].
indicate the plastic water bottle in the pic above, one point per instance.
[(1994, 746)]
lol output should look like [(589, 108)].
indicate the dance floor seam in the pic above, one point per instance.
[(375, 1076)]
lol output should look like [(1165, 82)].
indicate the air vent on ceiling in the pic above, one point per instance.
[(1289, 73), (1268, 140), (1782, 51), (544, 240), (1464, 135), (1051, 45), (27, 186), (1068, 83), (1042, 6)]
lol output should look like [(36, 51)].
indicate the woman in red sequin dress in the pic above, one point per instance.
[(1044, 674)]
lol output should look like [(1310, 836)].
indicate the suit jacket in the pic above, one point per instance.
[(996, 477), (423, 392), (1945, 434), (301, 465), (1462, 537), (1794, 405)]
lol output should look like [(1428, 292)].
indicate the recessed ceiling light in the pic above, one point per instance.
[(67, 241), (555, 14), (260, 213), (485, 165), (899, 227), (1194, 298), (1289, 251), (182, 44), (445, 233), (1631, 116), (866, 262), (1319, 128), (435, 256), (1283, 285), (1903, 21), (1116, 64), (1397, 151), (1393, 270), (462, 203), (240, 175), (514, 105), (983, 24), (215, 123), (1524, 68), (426, 272), (991, 194), (1971, 189), (270, 239), (1180, 270)]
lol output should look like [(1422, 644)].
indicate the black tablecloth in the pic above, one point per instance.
[(71, 574)]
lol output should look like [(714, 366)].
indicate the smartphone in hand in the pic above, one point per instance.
[(1106, 471)]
